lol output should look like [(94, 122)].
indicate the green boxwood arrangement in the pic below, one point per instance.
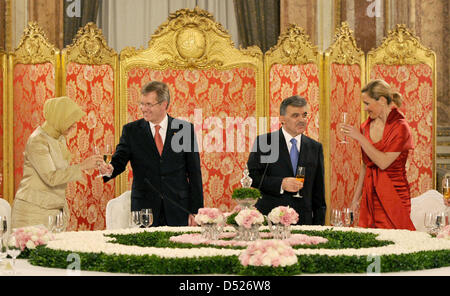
[(151, 264), (243, 193)]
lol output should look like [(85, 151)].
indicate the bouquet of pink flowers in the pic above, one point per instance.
[(268, 253), (30, 237), (249, 217), (283, 215), (444, 233), (209, 216)]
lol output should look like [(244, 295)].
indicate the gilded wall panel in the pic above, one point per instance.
[(344, 72), (213, 85), (34, 69), (410, 68), (90, 77)]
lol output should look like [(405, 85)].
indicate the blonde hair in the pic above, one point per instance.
[(379, 88)]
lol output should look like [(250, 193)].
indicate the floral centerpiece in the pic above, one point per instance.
[(209, 216), (30, 237), (268, 253), (282, 217), (209, 219), (249, 217), (249, 221)]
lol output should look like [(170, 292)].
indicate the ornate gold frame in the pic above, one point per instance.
[(293, 48), (191, 39), (6, 169), (34, 48), (401, 47), (343, 50), (90, 47)]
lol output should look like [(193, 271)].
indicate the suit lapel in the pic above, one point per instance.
[(169, 134), (284, 153), (303, 151), (148, 137)]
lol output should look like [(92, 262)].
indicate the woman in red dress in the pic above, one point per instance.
[(382, 191)]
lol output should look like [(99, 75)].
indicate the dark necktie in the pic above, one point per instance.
[(294, 155), (158, 140)]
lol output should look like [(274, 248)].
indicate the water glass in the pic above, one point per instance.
[(146, 217), (336, 217), (348, 217), (135, 219)]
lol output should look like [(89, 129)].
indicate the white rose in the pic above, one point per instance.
[(30, 244)]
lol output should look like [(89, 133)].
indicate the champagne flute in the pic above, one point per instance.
[(146, 217), (300, 176), (107, 155), (344, 119)]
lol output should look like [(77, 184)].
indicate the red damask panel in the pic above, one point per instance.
[(222, 106), (32, 86), (92, 87), (415, 83), (345, 158), (289, 80)]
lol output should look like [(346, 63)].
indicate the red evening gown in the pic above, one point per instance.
[(386, 200)]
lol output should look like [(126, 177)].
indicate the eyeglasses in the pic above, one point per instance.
[(149, 105)]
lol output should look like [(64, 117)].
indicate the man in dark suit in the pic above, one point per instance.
[(164, 157), (274, 159)]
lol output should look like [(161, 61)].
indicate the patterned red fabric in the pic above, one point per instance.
[(415, 83), (32, 86), (92, 87), (289, 80), (345, 159), (212, 100)]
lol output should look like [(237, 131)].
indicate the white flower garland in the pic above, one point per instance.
[(405, 242)]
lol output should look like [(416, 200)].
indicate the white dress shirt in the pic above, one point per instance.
[(288, 138), (163, 130)]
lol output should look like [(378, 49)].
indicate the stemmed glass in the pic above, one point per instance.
[(107, 155), (429, 219), (440, 221), (56, 223), (13, 251), (336, 217), (344, 119), (348, 217), (135, 219), (146, 217), (300, 176), (3, 235)]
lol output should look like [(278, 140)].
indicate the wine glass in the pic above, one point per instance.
[(57, 222), (336, 217), (429, 219), (13, 251), (135, 219), (446, 188), (146, 217), (300, 176), (348, 217), (440, 221), (344, 120)]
